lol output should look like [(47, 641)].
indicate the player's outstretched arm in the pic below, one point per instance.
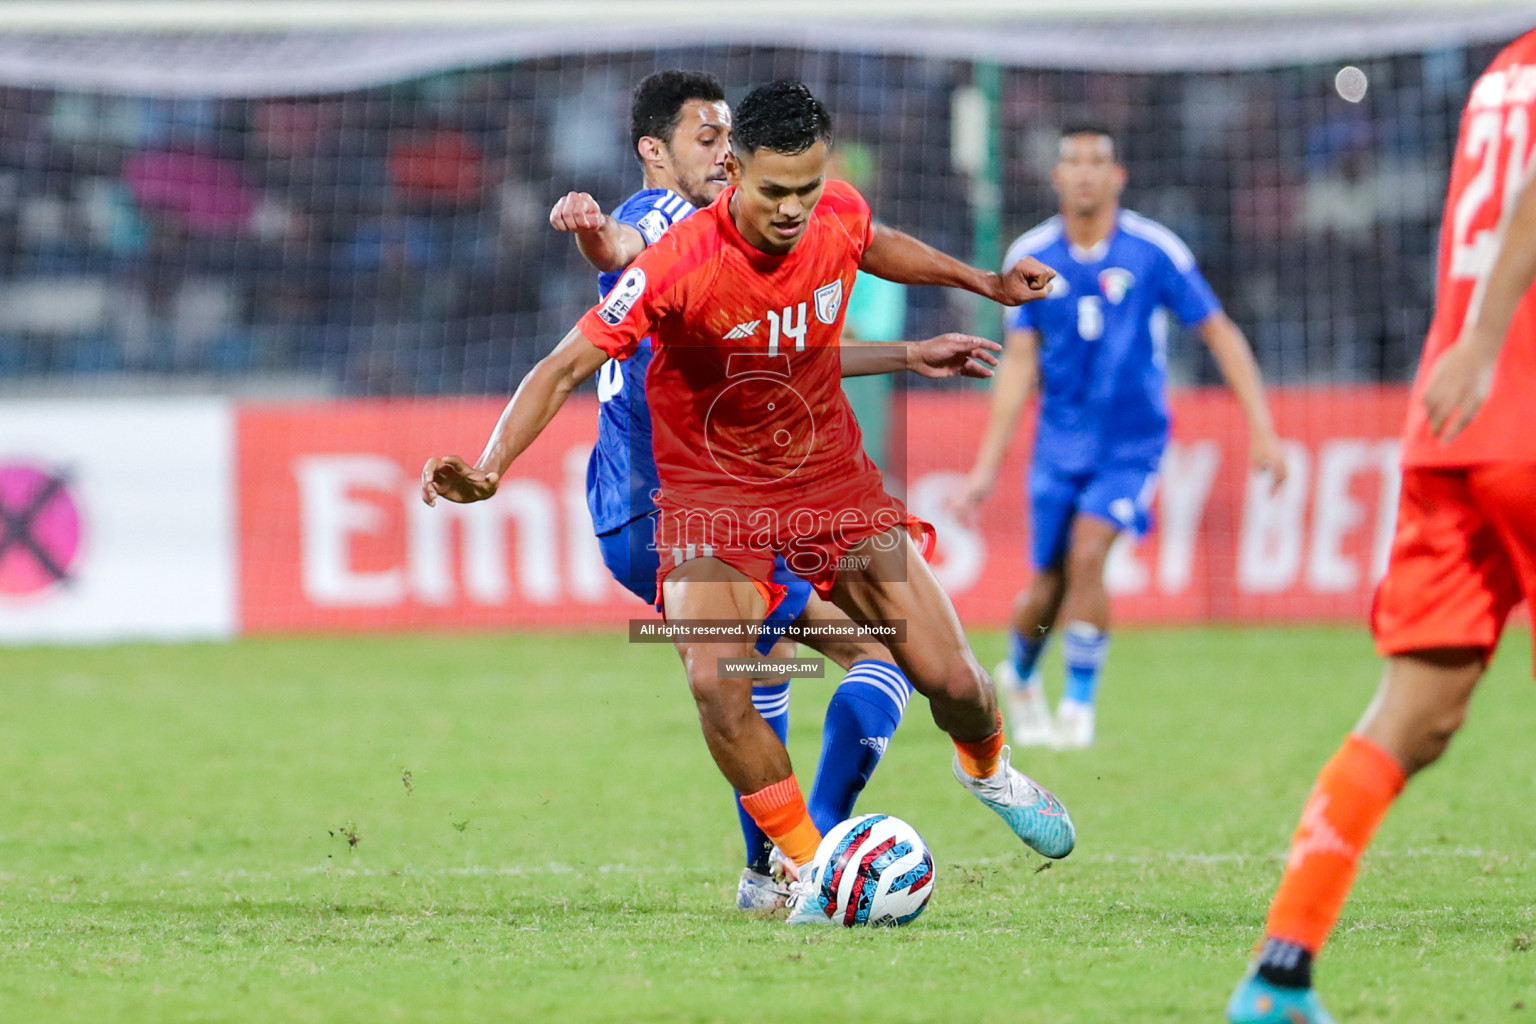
[(538, 398), (1235, 359), (1016, 380), (606, 243), (948, 355), (1460, 379), (897, 256)]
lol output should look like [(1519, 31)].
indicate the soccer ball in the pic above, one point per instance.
[(874, 870)]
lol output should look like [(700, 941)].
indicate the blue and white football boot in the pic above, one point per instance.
[(807, 900), (1035, 815), (757, 893)]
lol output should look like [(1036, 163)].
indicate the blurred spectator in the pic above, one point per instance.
[(394, 239)]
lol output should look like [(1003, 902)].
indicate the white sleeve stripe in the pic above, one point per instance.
[(1152, 231), (676, 205), (1032, 241)]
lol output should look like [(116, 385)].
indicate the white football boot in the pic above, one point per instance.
[(1074, 725), (758, 893), (1029, 714)]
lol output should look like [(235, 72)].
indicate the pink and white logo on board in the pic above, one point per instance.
[(41, 529)]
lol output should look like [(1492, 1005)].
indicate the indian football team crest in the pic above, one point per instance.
[(1114, 283), (622, 299), (829, 299)]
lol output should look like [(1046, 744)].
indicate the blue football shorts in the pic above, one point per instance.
[(1119, 494), (630, 555)]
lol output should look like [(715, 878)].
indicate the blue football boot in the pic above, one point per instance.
[(1030, 810), (1256, 1001)]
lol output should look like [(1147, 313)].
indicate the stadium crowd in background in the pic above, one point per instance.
[(389, 240)]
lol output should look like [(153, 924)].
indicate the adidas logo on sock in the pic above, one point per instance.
[(742, 330), (876, 743)]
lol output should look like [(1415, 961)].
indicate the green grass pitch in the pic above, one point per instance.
[(528, 828)]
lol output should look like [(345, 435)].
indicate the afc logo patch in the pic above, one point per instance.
[(829, 299), (622, 299)]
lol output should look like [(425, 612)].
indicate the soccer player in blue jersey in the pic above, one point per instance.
[(1096, 350), (680, 127)]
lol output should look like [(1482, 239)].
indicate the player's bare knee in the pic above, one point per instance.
[(960, 681), (1435, 736), (1044, 590), (707, 685), (1086, 562), (724, 707)]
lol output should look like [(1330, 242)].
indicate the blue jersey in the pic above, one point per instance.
[(621, 474), (1104, 339)]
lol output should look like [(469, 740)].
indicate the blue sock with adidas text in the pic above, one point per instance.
[(861, 718)]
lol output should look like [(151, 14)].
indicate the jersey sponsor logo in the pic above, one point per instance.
[(622, 299), (652, 226), (1114, 283), (745, 329), (829, 299)]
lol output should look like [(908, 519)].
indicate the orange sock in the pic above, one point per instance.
[(979, 758), (779, 811), (1352, 795)]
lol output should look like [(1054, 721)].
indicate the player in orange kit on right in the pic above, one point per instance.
[(1465, 550)]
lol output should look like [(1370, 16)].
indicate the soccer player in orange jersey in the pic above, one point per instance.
[(1465, 550), (759, 454), (681, 126)]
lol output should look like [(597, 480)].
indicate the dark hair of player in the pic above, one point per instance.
[(782, 116), (658, 103), (1089, 128)]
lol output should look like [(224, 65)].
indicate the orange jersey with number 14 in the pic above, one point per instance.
[(1493, 157), (756, 447)]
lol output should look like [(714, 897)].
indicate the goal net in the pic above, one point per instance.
[(294, 220)]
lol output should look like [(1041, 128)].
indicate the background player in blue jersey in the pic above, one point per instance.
[(680, 127), (1096, 349)]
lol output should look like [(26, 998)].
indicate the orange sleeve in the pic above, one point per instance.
[(640, 299)]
